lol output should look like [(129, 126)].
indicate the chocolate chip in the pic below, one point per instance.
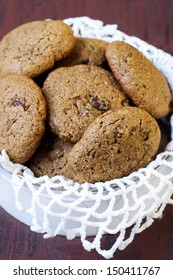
[(20, 102), (100, 105)]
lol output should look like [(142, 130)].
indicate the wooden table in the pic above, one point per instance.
[(149, 20)]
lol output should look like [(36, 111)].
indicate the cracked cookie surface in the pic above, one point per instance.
[(33, 48), (114, 145), (86, 51), (23, 114), (143, 83), (51, 157), (76, 95)]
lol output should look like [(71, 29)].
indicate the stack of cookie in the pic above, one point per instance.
[(78, 107)]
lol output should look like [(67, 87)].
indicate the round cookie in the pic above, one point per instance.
[(86, 51), (50, 157), (140, 79), (114, 145), (76, 95), (23, 114), (33, 48)]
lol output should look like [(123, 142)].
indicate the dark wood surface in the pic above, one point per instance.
[(149, 20)]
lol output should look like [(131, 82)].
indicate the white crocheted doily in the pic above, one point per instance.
[(60, 206)]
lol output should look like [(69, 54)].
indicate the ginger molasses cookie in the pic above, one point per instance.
[(76, 95), (33, 47), (86, 51), (23, 114), (114, 145), (139, 78), (51, 157)]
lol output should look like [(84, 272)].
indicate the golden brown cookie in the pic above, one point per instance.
[(139, 78), (50, 157), (23, 114), (76, 95), (33, 47), (86, 51), (114, 145)]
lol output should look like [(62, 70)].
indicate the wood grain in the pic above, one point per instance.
[(149, 20)]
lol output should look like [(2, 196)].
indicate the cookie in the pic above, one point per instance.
[(143, 83), (50, 157), (76, 95), (86, 51), (23, 114), (114, 145), (33, 48)]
